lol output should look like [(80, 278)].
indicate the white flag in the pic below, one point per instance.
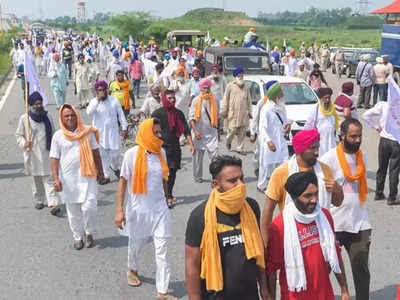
[(32, 78), (392, 113)]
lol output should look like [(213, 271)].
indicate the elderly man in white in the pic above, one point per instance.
[(106, 112), (75, 164)]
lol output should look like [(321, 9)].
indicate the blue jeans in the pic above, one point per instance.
[(381, 90), (136, 86)]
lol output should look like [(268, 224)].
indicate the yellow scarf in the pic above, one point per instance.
[(265, 99), (147, 141), (330, 112), (230, 202), (360, 174), (213, 107), (86, 160), (125, 89)]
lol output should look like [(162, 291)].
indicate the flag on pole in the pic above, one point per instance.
[(392, 113), (268, 48), (131, 41), (32, 78)]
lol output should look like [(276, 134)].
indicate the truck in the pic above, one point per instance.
[(391, 46)]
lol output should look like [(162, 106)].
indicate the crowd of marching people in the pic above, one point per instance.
[(233, 248)]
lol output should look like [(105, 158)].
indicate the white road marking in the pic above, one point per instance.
[(8, 91)]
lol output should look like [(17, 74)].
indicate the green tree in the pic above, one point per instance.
[(130, 23), (158, 31)]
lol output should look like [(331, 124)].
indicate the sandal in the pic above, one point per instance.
[(170, 203), (133, 279), (165, 297), (104, 181)]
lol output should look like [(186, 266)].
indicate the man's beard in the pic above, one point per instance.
[(304, 208), (351, 147), (311, 161), (37, 110), (215, 77), (239, 82)]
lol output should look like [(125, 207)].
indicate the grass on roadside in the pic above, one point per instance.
[(5, 62)]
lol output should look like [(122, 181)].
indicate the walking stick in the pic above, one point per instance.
[(28, 124)]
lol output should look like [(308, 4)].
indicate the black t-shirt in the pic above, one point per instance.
[(240, 274), (171, 141)]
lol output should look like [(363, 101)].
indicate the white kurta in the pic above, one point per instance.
[(350, 216), (82, 76), (36, 160), (182, 95), (209, 134), (150, 104), (146, 215), (326, 129), (106, 115), (76, 188), (271, 130)]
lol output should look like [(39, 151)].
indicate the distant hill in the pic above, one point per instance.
[(207, 18)]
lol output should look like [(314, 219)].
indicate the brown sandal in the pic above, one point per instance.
[(165, 297), (133, 279)]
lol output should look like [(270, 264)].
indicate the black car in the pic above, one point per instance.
[(352, 63)]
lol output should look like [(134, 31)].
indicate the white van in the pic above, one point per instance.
[(300, 99)]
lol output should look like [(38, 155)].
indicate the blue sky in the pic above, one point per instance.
[(171, 8)]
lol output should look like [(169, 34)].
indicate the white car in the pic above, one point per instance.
[(300, 99)]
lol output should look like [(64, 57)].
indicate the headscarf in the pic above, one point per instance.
[(348, 87), (237, 71), (174, 120), (87, 165), (229, 202), (322, 92), (100, 83), (304, 139), (35, 96), (267, 86), (147, 141), (274, 91)]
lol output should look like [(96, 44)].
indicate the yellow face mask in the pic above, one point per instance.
[(231, 202)]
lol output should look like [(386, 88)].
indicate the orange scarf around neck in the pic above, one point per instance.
[(125, 89), (265, 99), (147, 141), (87, 165), (230, 202), (213, 108), (360, 174)]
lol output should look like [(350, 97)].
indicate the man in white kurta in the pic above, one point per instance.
[(78, 192), (272, 129), (152, 102), (36, 155), (82, 79), (182, 88), (106, 112), (325, 119), (204, 133), (146, 214)]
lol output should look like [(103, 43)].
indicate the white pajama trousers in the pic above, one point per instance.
[(110, 159), (265, 172), (161, 252), (82, 217), (43, 189), (198, 157)]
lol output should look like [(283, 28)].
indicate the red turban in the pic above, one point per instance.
[(303, 139)]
